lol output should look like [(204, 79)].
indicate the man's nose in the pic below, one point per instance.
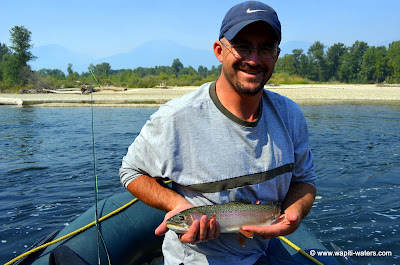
[(254, 57)]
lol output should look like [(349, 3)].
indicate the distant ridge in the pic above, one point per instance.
[(55, 56), (149, 54), (161, 53)]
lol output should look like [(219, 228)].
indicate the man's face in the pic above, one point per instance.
[(248, 75)]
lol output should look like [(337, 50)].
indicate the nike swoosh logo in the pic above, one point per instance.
[(249, 11)]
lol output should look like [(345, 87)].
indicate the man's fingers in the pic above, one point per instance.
[(213, 230), (191, 235), (203, 228)]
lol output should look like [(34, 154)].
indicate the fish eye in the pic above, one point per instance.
[(181, 217)]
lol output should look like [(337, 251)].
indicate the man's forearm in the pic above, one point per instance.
[(151, 192), (299, 199)]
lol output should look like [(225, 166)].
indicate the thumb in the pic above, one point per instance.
[(291, 217), (161, 229)]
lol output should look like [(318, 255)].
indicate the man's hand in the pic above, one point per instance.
[(297, 204), (200, 230), (286, 224)]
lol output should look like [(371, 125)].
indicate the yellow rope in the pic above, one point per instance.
[(72, 233), (290, 243)]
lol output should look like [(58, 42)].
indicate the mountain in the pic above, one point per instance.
[(149, 54), (160, 53), (55, 56)]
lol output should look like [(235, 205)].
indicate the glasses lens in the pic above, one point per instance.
[(266, 53), (244, 50)]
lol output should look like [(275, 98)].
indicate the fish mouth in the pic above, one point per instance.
[(177, 227)]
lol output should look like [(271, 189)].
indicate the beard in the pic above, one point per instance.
[(243, 89), (250, 86)]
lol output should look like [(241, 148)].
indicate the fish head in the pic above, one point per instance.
[(181, 222)]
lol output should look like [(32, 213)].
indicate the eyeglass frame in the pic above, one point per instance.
[(238, 56)]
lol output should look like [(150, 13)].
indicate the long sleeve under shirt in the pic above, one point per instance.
[(213, 157)]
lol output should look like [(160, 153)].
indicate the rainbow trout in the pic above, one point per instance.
[(231, 216)]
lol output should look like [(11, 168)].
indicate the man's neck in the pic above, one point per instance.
[(245, 107)]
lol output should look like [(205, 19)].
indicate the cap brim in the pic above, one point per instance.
[(231, 33)]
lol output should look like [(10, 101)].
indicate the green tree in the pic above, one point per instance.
[(69, 70), (300, 62), (3, 51), (393, 56), (103, 70), (11, 70), (21, 44), (316, 56), (284, 64), (293, 64), (374, 64), (176, 66), (333, 59), (350, 67), (202, 71), (14, 63), (368, 65), (381, 64)]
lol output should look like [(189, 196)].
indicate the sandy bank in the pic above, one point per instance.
[(154, 97)]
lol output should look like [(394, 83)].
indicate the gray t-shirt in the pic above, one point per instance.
[(213, 157)]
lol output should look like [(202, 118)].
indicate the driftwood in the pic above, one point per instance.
[(112, 88), (86, 89), (160, 86), (61, 92), (11, 101), (388, 85)]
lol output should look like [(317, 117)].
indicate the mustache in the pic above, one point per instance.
[(247, 68)]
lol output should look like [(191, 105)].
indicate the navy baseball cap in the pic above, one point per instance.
[(245, 13)]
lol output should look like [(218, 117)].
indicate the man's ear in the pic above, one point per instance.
[(218, 50), (277, 55)]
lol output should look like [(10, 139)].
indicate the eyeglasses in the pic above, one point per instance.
[(243, 50)]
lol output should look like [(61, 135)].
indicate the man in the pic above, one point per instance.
[(229, 140)]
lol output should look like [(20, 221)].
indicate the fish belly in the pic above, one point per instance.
[(232, 222)]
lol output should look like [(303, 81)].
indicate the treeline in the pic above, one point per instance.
[(174, 75), (358, 63)]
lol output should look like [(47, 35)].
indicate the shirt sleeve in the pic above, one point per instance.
[(304, 159), (147, 154)]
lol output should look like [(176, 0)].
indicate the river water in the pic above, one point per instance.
[(46, 172)]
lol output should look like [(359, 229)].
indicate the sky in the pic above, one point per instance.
[(105, 28)]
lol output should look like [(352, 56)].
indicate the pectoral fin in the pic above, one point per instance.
[(243, 235), (247, 234)]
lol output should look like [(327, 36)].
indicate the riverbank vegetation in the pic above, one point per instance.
[(359, 63)]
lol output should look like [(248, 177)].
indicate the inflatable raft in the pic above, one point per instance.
[(129, 238)]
